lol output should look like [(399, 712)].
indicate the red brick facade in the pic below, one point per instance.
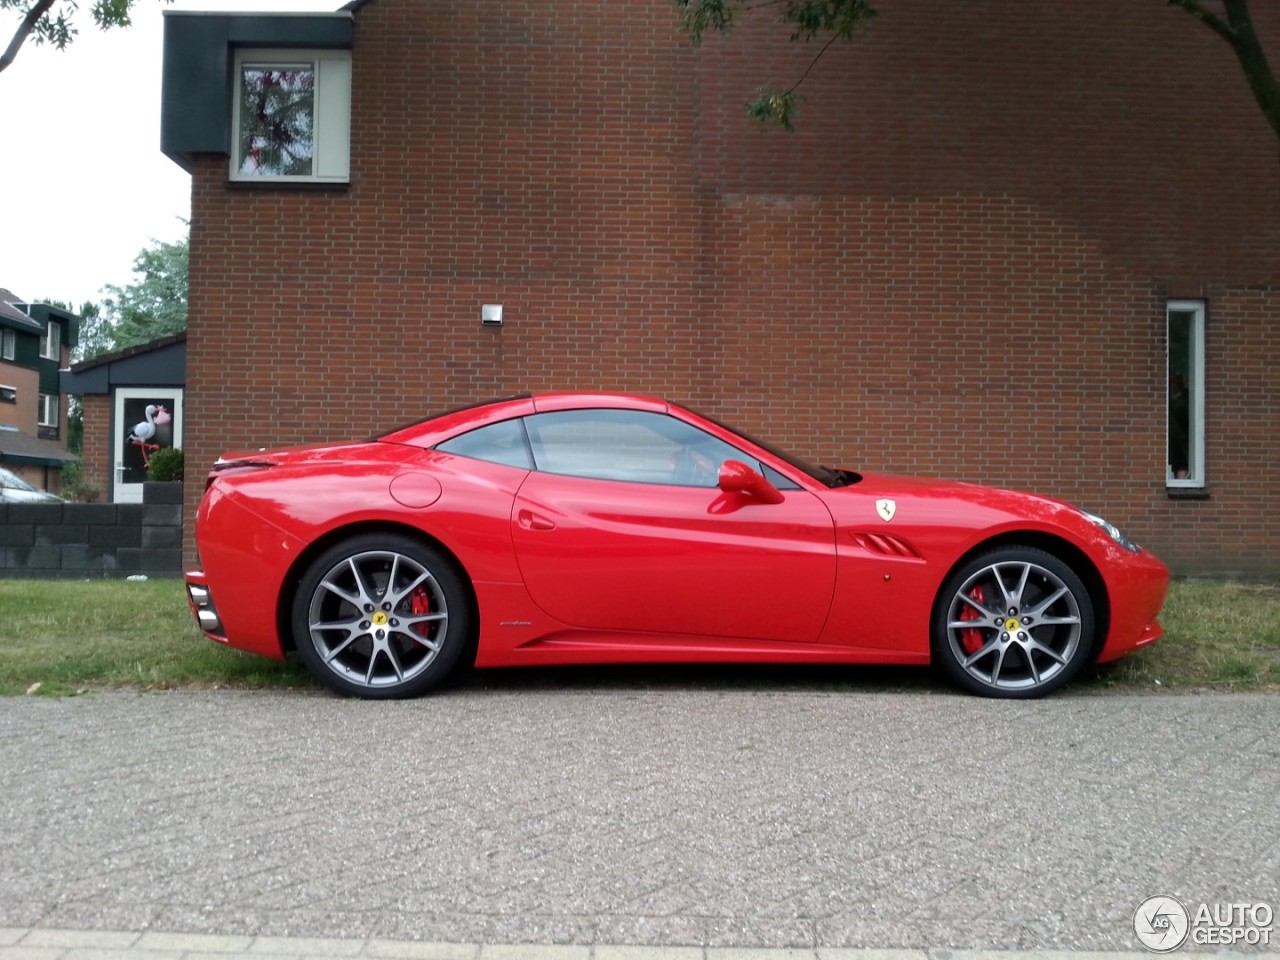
[(957, 266), (95, 459)]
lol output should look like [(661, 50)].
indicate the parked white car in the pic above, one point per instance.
[(13, 489)]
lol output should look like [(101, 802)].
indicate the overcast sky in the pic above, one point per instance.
[(83, 184)]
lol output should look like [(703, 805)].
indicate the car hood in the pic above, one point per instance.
[(922, 501), (10, 495)]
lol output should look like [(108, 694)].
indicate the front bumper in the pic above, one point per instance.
[(1137, 587)]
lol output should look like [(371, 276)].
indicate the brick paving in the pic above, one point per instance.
[(787, 821)]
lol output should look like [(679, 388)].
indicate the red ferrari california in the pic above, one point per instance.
[(585, 528)]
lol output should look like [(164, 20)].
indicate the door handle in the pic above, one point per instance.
[(532, 521)]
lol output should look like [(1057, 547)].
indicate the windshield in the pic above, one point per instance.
[(824, 475), (11, 481)]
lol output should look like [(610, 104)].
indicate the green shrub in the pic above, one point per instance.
[(165, 464), (72, 485)]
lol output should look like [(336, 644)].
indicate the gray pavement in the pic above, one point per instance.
[(756, 823)]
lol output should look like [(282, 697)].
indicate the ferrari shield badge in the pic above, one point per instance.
[(886, 509)]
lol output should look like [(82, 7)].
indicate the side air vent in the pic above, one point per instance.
[(884, 545)]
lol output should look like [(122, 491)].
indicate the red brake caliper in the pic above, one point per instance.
[(419, 605), (972, 638)]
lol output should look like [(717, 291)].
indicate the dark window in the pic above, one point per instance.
[(1186, 466)]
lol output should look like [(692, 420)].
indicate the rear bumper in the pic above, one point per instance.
[(200, 600), (234, 594)]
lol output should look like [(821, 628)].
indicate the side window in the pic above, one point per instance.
[(1186, 394), (47, 420), (51, 342), (628, 445), (292, 116), (501, 442)]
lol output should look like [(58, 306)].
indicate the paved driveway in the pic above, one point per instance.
[(642, 816)]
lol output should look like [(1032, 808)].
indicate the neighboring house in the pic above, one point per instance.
[(35, 343), (1011, 243), (132, 406)]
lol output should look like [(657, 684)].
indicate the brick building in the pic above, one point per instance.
[(132, 406), (35, 343), (1026, 244)]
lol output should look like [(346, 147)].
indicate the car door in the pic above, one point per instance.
[(622, 527)]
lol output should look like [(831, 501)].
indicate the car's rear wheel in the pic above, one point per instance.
[(381, 616), (1013, 622)]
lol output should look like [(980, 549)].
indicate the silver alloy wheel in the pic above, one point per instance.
[(1014, 625), (377, 618)]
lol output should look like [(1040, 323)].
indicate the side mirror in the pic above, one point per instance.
[(737, 477)]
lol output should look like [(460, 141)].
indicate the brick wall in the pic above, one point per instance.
[(23, 413), (957, 266), (96, 458)]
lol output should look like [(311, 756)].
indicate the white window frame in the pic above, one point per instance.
[(1195, 478), (8, 344), (8, 394), (49, 401), (331, 132), (51, 342)]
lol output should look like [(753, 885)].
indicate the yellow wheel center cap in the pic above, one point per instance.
[(379, 619), (1011, 624)]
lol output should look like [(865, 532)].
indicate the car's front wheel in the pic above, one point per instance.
[(381, 616), (1013, 622)]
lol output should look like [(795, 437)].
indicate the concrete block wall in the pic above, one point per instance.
[(75, 541)]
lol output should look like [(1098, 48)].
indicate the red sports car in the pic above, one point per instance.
[(585, 528)]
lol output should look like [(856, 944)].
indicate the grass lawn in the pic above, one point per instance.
[(69, 636), (1218, 636)]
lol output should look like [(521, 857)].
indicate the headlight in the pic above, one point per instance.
[(1112, 531)]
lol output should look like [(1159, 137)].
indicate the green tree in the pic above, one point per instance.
[(153, 305), (94, 336), (54, 21), (834, 20)]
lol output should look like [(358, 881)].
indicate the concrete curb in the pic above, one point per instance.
[(41, 944)]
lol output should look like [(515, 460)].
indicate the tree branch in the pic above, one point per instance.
[(1238, 31), (814, 62), (24, 30), (1253, 59), (1208, 18)]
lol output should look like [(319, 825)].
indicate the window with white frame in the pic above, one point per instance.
[(1185, 321), (51, 342), (8, 394), (8, 344), (291, 118), (48, 410)]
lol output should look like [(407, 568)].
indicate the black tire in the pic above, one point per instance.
[(1013, 622), (381, 616)]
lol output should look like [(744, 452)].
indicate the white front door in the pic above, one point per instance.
[(146, 420)]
